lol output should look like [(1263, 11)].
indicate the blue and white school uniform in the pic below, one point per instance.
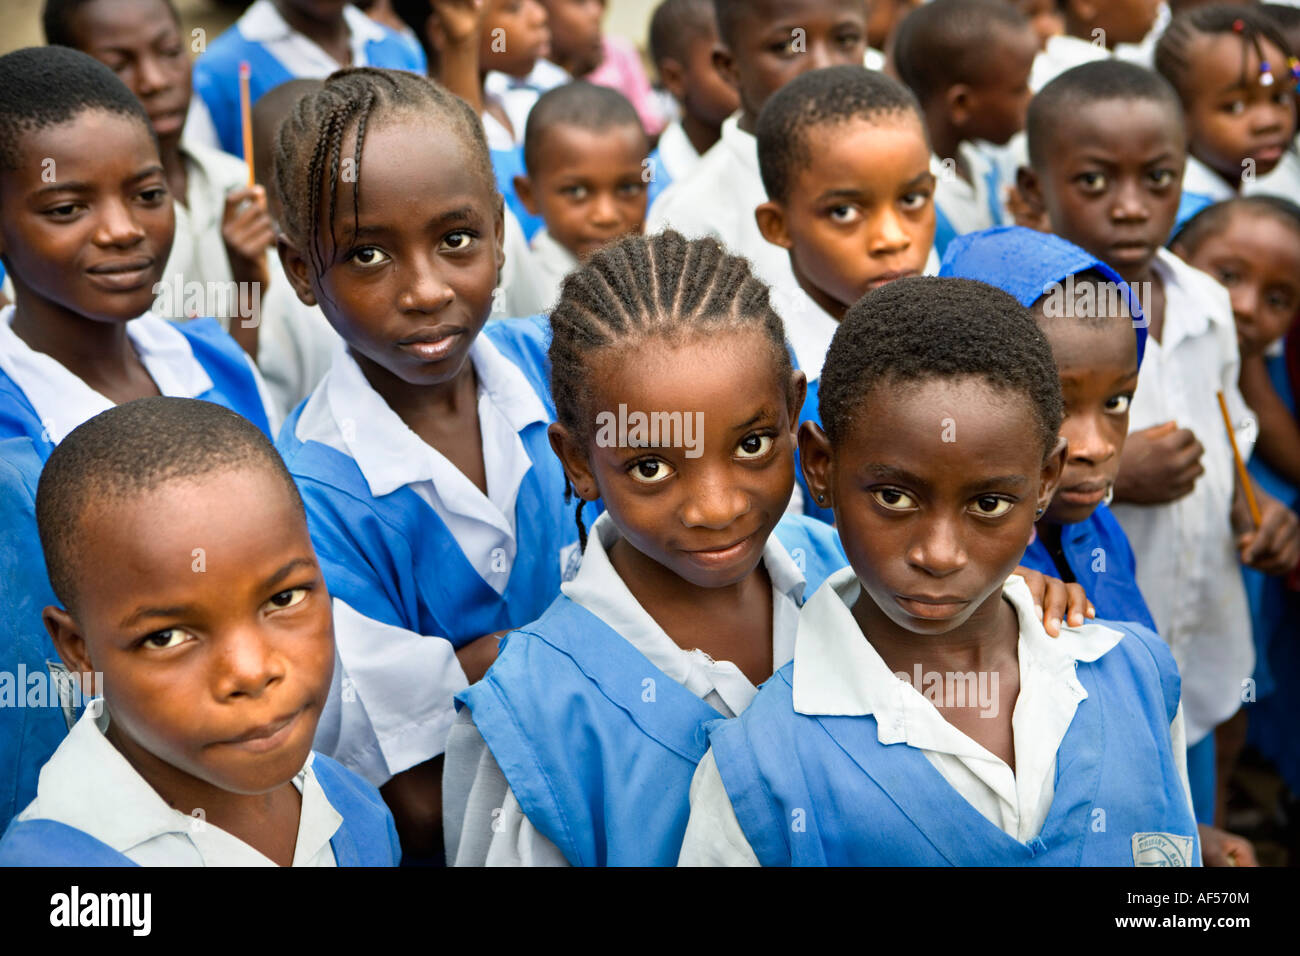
[(517, 96), (672, 159), (42, 400), (1202, 187), (578, 746), (882, 779), (31, 723), (277, 53), (808, 331), (418, 560), (93, 808), (962, 207)]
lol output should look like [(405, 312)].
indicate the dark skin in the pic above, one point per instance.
[(408, 291), (86, 250), (766, 52), (703, 93), (141, 41), (192, 662), (934, 528), (671, 508), (1127, 21), (575, 34), (320, 21)]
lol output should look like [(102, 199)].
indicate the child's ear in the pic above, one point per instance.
[(573, 456), (500, 218), (817, 462), (798, 392), (1030, 192), (296, 268), (725, 64), (673, 76), (771, 223), (524, 190), (1053, 468), (958, 103), (68, 640)]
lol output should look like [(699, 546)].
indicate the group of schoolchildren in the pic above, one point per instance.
[(967, 539)]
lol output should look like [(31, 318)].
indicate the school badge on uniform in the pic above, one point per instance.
[(1162, 849)]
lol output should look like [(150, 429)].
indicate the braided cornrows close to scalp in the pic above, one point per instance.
[(1172, 57), (309, 145), (643, 287)]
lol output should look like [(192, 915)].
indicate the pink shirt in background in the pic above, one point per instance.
[(621, 70)]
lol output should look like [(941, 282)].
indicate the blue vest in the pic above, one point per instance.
[(395, 561), (945, 232), (216, 76), (599, 745), (660, 179), (366, 837), (29, 735), (809, 413), (1189, 204), (1101, 558), (233, 386), (818, 791)]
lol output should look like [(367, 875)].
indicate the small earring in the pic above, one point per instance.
[(821, 498), (1039, 513)]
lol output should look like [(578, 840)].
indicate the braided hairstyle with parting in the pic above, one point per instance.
[(1172, 59), (309, 145), (642, 287)]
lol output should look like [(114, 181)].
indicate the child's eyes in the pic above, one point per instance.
[(991, 506), (844, 213), (893, 499), (154, 194), (1228, 277), (755, 446), (1281, 97), (1092, 182), (62, 211), (849, 40), (577, 193), (367, 256), (1118, 405), (1282, 301), (650, 471), (459, 240), (289, 598), (161, 640), (1161, 178), (632, 189), (915, 200), (1233, 107)]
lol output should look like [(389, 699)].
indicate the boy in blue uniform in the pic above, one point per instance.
[(210, 640), (941, 408), (1097, 335), (287, 39)]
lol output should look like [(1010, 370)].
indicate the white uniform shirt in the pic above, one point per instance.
[(677, 153), (1187, 563), (1062, 53), (965, 204), (838, 672), (391, 707), (295, 344), (262, 23), (87, 784), (63, 401), (483, 822), (516, 97), (1283, 181), (1201, 179), (552, 263)]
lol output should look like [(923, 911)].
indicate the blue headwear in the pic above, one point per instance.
[(1028, 265)]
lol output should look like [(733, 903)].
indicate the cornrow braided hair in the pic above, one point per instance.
[(642, 287), (1172, 60), (309, 145)]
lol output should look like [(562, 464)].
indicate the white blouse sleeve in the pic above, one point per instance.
[(483, 824), (713, 834)]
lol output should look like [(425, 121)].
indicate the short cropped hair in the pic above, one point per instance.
[(1096, 82), (925, 328), (1213, 219), (57, 17), (46, 86), (830, 96), (130, 450), (946, 42), (675, 23), (579, 104)]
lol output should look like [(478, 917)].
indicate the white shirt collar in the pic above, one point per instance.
[(743, 146), (262, 23), (598, 588), (808, 327), (676, 151), (63, 401), (388, 453), (837, 672), (89, 785), (1201, 179)]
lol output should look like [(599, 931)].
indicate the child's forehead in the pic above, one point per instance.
[(561, 141), (879, 151), (764, 16), (91, 143), (1126, 126), (1223, 62)]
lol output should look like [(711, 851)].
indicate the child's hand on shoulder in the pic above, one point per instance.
[(1221, 848), (1054, 600), (477, 656), (1158, 465), (248, 233), (1273, 547)]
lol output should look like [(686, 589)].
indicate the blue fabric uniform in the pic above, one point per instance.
[(858, 802), (945, 232), (393, 560), (29, 734), (216, 76), (809, 413), (233, 386), (599, 745), (506, 165), (366, 837)]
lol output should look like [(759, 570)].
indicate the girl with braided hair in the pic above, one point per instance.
[(434, 501)]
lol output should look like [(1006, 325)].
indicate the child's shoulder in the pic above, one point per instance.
[(1190, 282), (367, 836), (40, 842)]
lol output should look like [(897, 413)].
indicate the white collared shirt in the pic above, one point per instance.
[(262, 23), (552, 263), (516, 97), (63, 401), (87, 784), (838, 672), (965, 204), (483, 822), (677, 152), (1062, 53), (1187, 562), (1202, 180), (1283, 181)]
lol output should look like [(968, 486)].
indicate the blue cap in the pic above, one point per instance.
[(1028, 264)]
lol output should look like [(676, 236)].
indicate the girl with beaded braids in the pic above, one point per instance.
[(434, 501), (1235, 74), (676, 406)]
